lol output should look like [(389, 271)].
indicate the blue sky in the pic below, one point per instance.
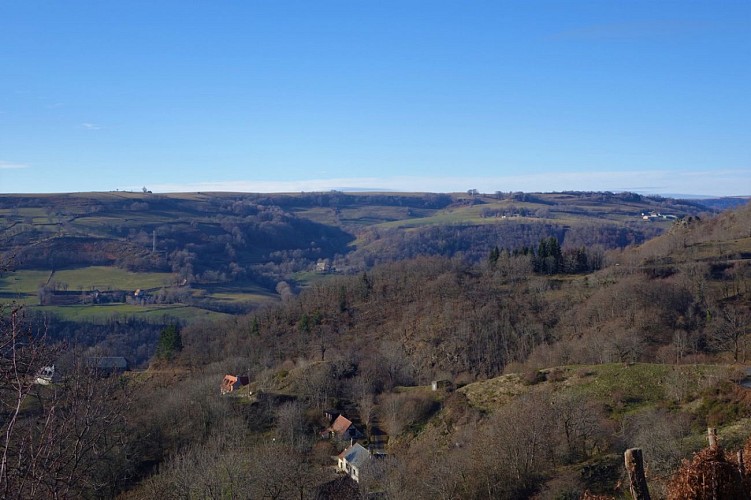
[(411, 95)]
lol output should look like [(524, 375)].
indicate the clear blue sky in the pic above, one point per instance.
[(414, 95)]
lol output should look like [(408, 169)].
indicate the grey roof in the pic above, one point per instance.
[(356, 455)]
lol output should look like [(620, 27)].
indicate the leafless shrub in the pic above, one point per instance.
[(659, 434), (361, 391), (399, 411), (582, 425), (709, 474), (556, 375), (292, 426)]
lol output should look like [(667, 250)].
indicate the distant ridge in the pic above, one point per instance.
[(365, 190), (723, 203)]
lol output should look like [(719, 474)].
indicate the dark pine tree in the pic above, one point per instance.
[(170, 342)]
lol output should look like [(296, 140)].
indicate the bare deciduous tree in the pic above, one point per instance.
[(292, 426), (59, 440), (580, 421), (729, 331), (362, 393), (516, 448), (660, 436), (398, 411)]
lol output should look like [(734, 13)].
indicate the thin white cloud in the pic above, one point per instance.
[(7, 165), (710, 183), (90, 126)]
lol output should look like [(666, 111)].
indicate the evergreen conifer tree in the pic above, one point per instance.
[(170, 342)]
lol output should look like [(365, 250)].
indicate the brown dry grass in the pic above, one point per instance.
[(494, 393), (709, 474)]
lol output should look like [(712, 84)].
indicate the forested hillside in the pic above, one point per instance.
[(552, 359), (229, 237), (97, 261), (457, 317)]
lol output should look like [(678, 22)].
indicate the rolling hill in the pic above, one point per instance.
[(220, 253)]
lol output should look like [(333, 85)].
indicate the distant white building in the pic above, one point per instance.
[(46, 375), (656, 215)]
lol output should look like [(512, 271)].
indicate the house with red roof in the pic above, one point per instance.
[(343, 428)]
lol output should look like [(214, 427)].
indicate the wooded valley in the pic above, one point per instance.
[(481, 346)]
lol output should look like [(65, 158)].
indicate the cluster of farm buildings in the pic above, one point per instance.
[(341, 430)]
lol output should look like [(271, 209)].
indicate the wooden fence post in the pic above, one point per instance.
[(636, 479), (741, 465), (712, 437)]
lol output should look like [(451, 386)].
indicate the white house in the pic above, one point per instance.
[(352, 460), (46, 375)]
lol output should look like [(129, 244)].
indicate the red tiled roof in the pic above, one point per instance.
[(341, 424)]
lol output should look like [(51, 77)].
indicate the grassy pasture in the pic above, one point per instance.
[(105, 312), (99, 222), (448, 218), (705, 251), (23, 285), (236, 292), (363, 216), (307, 278), (243, 297), (567, 214), (622, 388), (321, 215), (111, 278), (366, 216), (25, 282)]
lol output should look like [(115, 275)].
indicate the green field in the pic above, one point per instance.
[(26, 283), (103, 278), (22, 287), (23, 283), (106, 312)]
